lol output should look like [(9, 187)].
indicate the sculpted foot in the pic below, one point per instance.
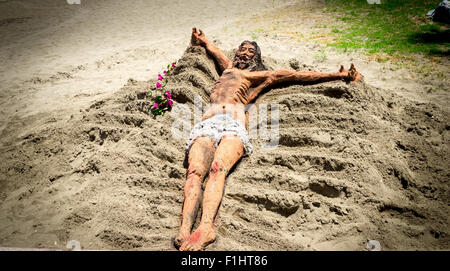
[(202, 237), (181, 238)]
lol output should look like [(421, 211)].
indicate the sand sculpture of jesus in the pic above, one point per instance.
[(221, 139)]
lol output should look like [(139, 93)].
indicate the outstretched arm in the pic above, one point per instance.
[(198, 38), (267, 79)]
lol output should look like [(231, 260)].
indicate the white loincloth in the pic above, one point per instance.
[(218, 126)]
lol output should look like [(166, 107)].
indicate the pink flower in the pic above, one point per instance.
[(158, 85), (155, 105), (168, 95), (173, 65), (160, 77), (165, 72), (170, 102)]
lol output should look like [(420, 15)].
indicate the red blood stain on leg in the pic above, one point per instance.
[(215, 167), (192, 173)]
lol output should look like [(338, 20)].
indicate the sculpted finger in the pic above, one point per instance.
[(194, 30), (201, 32), (359, 76), (341, 69), (352, 67), (350, 75)]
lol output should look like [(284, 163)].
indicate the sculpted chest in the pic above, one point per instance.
[(231, 83)]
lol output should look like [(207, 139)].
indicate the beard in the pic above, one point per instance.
[(244, 64), (241, 64)]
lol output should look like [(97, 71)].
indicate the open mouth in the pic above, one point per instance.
[(242, 58)]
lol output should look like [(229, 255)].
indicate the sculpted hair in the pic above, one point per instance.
[(257, 64)]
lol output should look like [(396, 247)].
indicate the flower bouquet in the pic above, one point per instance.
[(163, 102)]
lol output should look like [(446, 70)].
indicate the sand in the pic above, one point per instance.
[(355, 162)]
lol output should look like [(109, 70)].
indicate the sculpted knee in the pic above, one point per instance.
[(195, 170)]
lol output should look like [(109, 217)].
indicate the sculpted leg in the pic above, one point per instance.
[(199, 161), (228, 152)]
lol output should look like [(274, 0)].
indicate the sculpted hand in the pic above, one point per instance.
[(198, 38), (352, 74)]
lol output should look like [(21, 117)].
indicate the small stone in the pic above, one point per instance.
[(294, 64)]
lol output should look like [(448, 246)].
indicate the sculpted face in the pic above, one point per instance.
[(244, 56)]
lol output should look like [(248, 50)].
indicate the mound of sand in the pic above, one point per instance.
[(354, 163)]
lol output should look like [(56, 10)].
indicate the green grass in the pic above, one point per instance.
[(256, 32), (394, 27), (321, 56)]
